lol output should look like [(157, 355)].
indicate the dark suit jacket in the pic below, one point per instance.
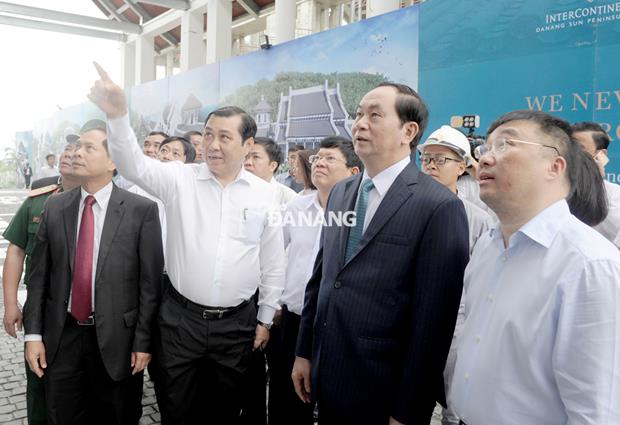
[(378, 328), (127, 280)]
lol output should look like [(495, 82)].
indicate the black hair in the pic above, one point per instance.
[(599, 135), (189, 134), (345, 146), (556, 128), (188, 148), (303, 159), (273, 150), (48, 155), (247, 129), (587, 199), (296, 148), (157, 133), (410, 107)]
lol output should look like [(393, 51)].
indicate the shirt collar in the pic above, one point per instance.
[(102, 196), (385, 178), (205, 174), (543, 228)]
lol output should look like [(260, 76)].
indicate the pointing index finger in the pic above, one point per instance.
[(104, 75)]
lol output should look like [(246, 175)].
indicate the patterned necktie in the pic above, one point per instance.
[(81, 286), (355, 235)]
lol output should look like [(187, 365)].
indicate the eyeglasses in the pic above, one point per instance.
[(331, 160), (500, 146), (437, 159)]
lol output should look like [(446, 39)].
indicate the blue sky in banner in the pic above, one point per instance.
[(386, 44), (560, 56)]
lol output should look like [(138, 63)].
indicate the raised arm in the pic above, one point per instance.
[(153, 176)]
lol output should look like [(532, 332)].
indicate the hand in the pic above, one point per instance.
[(395, 422), (12, 319), (262, 337), (301, 378), (109, 97), (35, 355), (139, 361)]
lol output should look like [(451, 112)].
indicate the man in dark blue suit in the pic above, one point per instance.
[(381, 305)]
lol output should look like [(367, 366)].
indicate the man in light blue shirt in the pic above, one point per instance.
[(541, 340)]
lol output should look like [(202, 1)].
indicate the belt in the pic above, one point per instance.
[(90, 321), (205, 311)]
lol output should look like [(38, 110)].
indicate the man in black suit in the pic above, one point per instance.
[(94, 292), (381, 305)]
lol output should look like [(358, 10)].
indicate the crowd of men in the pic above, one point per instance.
[(487, 281)]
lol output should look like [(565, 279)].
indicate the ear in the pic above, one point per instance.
[(557, 168), (411, 129), (273, 166), (461, 168), (354, 170), (111, 166)]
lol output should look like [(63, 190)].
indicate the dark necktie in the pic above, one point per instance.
[(355, 235), (81, 286)]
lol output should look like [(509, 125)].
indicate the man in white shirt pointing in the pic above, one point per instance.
[(219, 251)]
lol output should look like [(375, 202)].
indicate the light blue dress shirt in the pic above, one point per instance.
[(541, 339)]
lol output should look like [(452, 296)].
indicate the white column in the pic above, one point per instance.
[(170, 63), (193, 52), (219, 30), (285, 18), (128, 65), (145, 59), (379, 7), (334, 17)]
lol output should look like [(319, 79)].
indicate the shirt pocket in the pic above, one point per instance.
[(251, 225)]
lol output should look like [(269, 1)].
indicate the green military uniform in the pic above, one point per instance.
[(21, 232)]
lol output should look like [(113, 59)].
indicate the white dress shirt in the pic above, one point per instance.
[(610, 227), (541, 339), (283, 194), (47, 171), (219, 248), (100, 207), (160, 207), (479, 221), (382, 183), (302, 239)]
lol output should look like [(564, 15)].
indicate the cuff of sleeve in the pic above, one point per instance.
[(118, 125), (266, 313), (33, 337)]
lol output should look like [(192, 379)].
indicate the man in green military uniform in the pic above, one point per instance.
[(21, 233)]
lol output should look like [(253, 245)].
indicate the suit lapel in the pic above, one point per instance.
[(348, 204), (113, 217), (70, 219), (398, 193)]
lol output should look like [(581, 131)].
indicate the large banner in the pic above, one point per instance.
[(558, 56), (482, 58), (299, 92)]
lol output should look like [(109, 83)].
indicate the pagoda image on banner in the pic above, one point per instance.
[(305, 117)]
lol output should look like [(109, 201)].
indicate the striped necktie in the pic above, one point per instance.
[(355, 235)]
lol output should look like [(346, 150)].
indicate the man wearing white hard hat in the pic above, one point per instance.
[(444, 156)]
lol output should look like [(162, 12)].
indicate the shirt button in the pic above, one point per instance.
[(477, 338), (337, 285), (467, 376)]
